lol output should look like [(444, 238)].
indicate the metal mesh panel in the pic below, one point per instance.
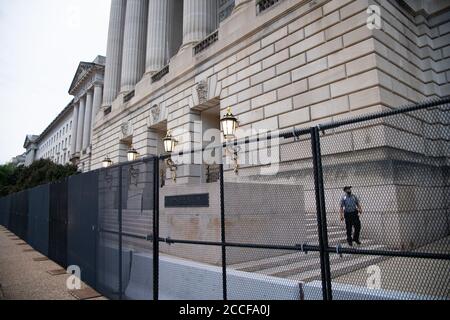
[(398, 167), (190, 212), (38, 218), (108, 278), (271, 205), (82, 224), (58, 222), (194, 278), (375, 277), (137, 226)]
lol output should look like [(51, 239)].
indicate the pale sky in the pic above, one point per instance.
[(41, 45)]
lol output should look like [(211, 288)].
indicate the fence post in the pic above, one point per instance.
[(120, 233), (222, 226), (156, 228), (321, 214)]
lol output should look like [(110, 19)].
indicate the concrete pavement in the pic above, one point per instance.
[(21, 278)]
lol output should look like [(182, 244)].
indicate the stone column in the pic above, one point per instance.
[(80, 125), (114, 51), (134, 44), (98, 91), (199, 20), (73, 141), (87, 121), (160, 13)]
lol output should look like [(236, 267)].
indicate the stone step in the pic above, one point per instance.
[(129, 243), (304, 266), (338, 268), (337, 239), (281, 260), (143, 231)]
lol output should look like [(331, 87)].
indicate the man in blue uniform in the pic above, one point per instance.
[(350, 210)]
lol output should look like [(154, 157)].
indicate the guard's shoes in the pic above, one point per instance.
[(357, 242)]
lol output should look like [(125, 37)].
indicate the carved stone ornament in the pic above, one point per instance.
[(155, 113), (202, 91), (127, 129)]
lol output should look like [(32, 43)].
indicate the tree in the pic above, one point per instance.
[(14, 179)]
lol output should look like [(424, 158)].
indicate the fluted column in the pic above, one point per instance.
[(80, 125), (134, 44), (160, 13), (199, 20), (96, 104), (114, 51), (87, 121), (73, 142)]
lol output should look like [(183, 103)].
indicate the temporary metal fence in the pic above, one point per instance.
[(273, 235), (39, 218), (82, 224), (57, 245)]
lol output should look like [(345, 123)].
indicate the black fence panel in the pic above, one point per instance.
[(136, 229), (13, 223), (38, 218), (19, 214), (108, 267), (58, 222), (398, 168), (7, 211), (82, 224), (4, 211), (269, 200)]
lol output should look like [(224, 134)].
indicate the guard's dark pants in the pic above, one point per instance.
[(352, 221)]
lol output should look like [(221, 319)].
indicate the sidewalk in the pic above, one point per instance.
[(21, 278)]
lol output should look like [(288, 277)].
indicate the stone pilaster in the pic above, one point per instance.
[(87, 121), (160, 13), (80, 126), (199, 20), (73, 142), (134, 44), (114, 51)]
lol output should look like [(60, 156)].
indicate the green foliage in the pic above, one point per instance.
[(14, 179)]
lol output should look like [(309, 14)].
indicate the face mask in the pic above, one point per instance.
[(349, 192)]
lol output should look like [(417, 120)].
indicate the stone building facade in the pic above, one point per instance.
[(68, 137), (279, 65), (174, 64)]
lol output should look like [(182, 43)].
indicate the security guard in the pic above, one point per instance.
[(350, 210)]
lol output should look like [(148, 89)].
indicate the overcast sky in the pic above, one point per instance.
[(41, 45)]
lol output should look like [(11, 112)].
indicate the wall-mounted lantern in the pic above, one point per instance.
[(169, 143), (169, 147), (107, 162), (229, 124), (132, 154)]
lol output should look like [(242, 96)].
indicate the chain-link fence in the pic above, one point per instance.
[(280, 227)]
